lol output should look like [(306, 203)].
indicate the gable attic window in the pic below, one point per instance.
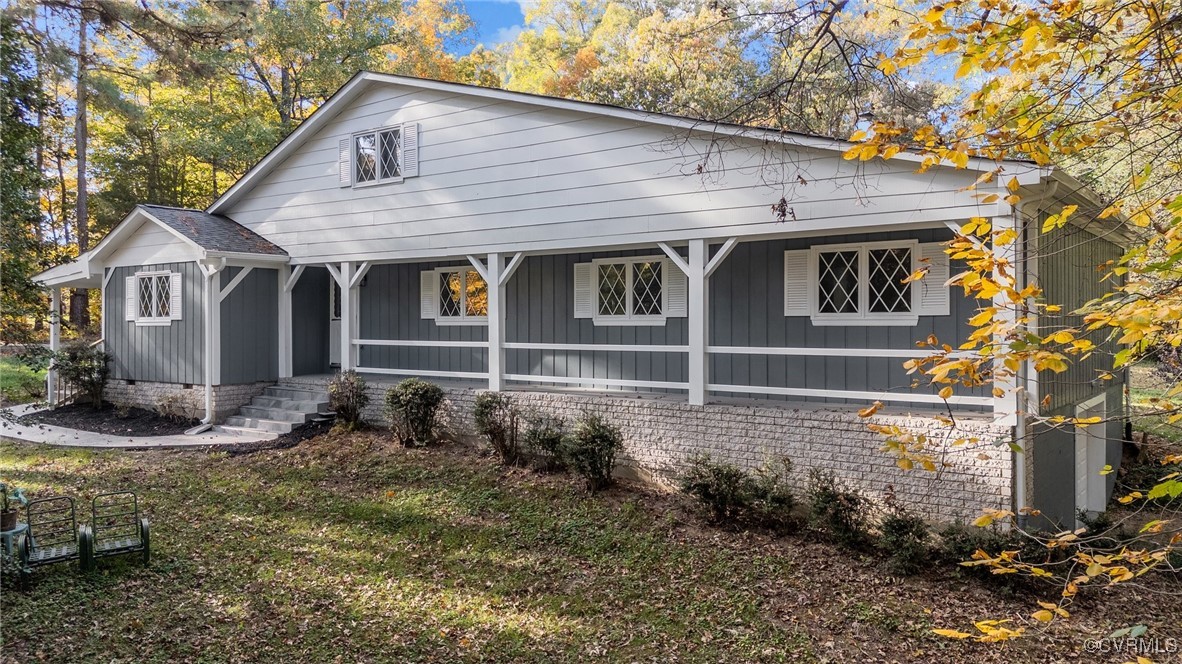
[(866, 284), (153, 298), (377, 156)]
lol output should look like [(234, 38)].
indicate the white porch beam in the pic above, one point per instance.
[(336, 275), (55, 343), (480, 268), (698, 318), (724, 251), (225, 292), (676, 257), (344, 277), (285, 321), (496, 322), (290, 282), (212, 343), (514, 263), (355, 282)]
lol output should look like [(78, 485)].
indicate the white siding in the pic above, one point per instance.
[(151, 244), (511, 176)]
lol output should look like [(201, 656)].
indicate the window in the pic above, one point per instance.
[(629, 290), (463, 296), (376, 156), (153, 298), (864, 283)]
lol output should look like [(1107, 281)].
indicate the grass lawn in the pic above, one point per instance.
[(348, 548), (19, 383)]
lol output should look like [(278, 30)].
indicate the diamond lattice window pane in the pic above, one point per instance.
[(888, 269), (838, 282), (613, 289), (366, 156), (476, 295), (145, 297), (646, 289), (449, 293), (163, 295), (388, 152)]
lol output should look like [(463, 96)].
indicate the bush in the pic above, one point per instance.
[(412, 408), (590, 450), (905, 536), (958, 542), (178, 406), (496, 419), (85, 368), (542, 441), (840, 512), (731, 495), (347, 398)]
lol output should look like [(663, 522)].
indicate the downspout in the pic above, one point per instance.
[(1026, 375)]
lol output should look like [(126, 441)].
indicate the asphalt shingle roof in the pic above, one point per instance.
[(213, 232)]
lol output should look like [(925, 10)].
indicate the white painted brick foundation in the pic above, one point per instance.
[(661, 432), (227, 399)]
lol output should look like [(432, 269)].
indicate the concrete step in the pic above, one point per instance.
[(259, 424), (244, 432), (278, 414), (295, 393), (289, 404)]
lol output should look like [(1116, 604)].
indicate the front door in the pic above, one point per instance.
[(334, 323)]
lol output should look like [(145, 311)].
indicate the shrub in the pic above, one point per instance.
[(722, 488), (905, 536), (840, 512), (85, 368), (958, 542), (412, 407), (178, 407), (347, 398), (496, 419), (590, 450), (542, 441), (731, 495)]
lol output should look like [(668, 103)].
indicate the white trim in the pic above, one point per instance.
[(293, 278), (463, 318), (605, 382), (864, 317), (377, 164), (362, 269), (723, 251), (345, 277), (816, 352), (212, 333), (479, 266), (677, 258), (424, 372), (285, 330), (419, 343), (55, 342), (496, 292), (336, 275), (698, 314), (514, 263), (627, 319), (152, 321), (908, 397), (223, 293), (627, 348), (1091, 491)]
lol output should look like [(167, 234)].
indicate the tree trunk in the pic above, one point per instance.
[(80, 300)]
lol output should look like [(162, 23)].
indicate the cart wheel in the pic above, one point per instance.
[(85, 549), (146, 539)]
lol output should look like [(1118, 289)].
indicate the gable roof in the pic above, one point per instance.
[(363, 80), (213, 232)]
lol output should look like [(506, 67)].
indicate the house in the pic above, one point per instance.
[(589, 257)]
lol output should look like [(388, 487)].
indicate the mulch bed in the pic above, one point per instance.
[(110, 420)]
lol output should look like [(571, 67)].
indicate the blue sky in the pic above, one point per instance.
[(496, 20)]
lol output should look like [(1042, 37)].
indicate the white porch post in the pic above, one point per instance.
[(496, 323), (698, 320), (287, 281), (1005, 407), (55, 343), (347, 330)]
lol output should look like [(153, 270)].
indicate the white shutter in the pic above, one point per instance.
[(796, 282), (345, 161), (174, 296), (676, 290), (932, 296), (427, 293), (583, 291), (130, 299), (410, 149)]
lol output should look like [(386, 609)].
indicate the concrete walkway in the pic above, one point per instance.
[(52, 435)]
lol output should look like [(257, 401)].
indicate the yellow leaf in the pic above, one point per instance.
[(1013, 185), (1043, 616), (952, 633), (946, 392), (983, 521)]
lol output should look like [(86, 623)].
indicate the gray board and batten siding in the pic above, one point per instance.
[(309, 316), (746, 309), (172, 353), (250, 327)]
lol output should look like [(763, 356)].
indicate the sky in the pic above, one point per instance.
[(496, 21)]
